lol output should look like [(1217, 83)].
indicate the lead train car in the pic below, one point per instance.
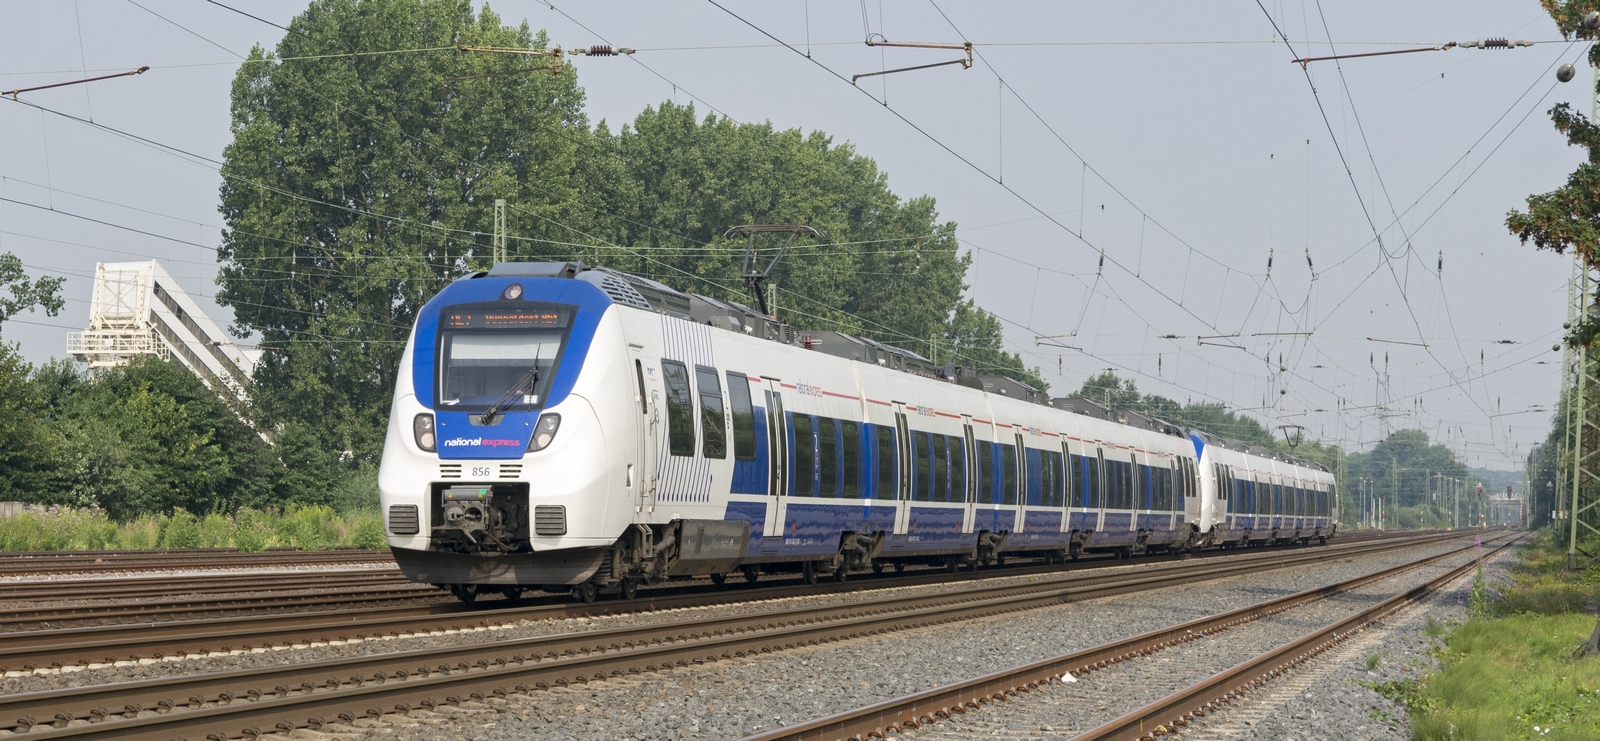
[(563, 427)]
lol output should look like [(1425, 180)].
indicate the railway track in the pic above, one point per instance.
[(248, 702), (1169, 714), (83, 562), (75, 602), (92, 645)]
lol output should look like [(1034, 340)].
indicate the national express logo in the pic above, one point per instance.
[(481, 442)]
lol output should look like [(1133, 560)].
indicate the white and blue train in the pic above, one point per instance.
[(560, 426)]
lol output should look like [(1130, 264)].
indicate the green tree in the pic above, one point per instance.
[(357, 184), (25, 294), (149, 437), (25, 440)]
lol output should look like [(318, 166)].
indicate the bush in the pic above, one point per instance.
[(253, 531), (313, 527), (316, 527), (181, 530), (368, 532)]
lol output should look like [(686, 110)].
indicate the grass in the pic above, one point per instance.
[(1509, 671), (1503, 678), (313, 527)]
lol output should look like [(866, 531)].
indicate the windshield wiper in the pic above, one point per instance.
[(530, 380)]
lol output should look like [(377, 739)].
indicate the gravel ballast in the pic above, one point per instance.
[(734, 698)]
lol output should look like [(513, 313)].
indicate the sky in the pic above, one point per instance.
[(1164, 193)]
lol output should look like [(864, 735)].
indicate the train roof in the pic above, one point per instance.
[(643, 293)]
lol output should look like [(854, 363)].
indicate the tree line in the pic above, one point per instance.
[(368, 152)]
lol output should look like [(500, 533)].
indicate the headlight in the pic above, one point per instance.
[(422, 428), (512, 292), (544, 432)]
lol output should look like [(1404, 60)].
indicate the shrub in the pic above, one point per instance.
[(315, 527), (253, 531), (216, 531), (139, 535), (181, 530), (368, 532)]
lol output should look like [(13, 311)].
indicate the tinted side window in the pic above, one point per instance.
[(923, 484), (828, 456), (713, 426), (1047, 480), (1096, 491), (958, 469), (941, 469), (852, 460), (1008, 466), (985, 473), (680, 408), (1080, 495), (805, 456), (744, 418), (886, 464)]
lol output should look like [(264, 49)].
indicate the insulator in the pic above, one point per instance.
[(601, 50)]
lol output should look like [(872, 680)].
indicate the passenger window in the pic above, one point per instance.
[(1096, 491), (886, 464), (852, 460), (713, 427), (805, 456), (941, 468), (1047, 479), (921, 489), (744, 418), (680, 408), (1008, 466), (958, 469), (644, 400), (1080, 498), (985, 473), (828, 457)]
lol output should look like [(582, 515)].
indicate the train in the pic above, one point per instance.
[(570, 428)]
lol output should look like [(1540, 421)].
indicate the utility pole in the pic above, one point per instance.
[(499, 230)]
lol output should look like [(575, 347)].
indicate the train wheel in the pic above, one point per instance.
[(629, 589), (511, 593), (585, 592), (467, 593), (899, 568), (999, 560), (809, 571), (877, 567), (840, 574), (751, 574), (719, 579)]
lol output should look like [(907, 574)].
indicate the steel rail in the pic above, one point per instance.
[(105, 644), (930, 706), (162, 585), (351, 593), (304, 695), (1180, 708), (58, 562)]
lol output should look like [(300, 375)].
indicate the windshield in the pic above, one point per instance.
[(486, 353)]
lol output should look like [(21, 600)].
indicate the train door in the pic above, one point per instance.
[(1019, 491), (969, 494), (902, 510), (777, 458), (642, 474)]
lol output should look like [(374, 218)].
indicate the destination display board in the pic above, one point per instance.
[(517, 318)]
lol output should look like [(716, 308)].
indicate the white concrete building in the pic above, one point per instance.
[(138, 309)]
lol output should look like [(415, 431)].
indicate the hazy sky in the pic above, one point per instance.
[(1181, 142)]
